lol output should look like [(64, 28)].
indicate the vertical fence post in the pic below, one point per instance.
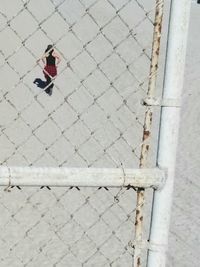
[(147, 129), (168, 136)]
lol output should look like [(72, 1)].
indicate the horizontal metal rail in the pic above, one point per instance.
[(81, 177)]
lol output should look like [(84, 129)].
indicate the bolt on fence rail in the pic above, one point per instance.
[(93, 120)]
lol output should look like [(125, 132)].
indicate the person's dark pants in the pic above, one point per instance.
[(49, 85)]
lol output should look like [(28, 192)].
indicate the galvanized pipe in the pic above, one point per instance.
[(168, 137), (81, 177)]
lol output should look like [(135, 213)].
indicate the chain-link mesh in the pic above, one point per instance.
[(94, 118), (94, 114), (64, 227)]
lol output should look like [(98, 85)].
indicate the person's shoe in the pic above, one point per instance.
[(49, 92)]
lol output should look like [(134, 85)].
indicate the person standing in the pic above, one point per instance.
[(51, 59)]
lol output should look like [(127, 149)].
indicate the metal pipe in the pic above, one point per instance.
[(168, 135), (81, 177), (147, 129)]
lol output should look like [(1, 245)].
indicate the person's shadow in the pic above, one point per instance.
[(46, 85), (40, 83)]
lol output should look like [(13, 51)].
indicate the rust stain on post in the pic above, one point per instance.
[(147, 127)]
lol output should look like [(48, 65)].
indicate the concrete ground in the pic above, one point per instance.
[(184, 232), (93, 119)]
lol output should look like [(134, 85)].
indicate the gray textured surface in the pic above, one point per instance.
[(94, 118), (86, 123), (184, 241), (102, 78)]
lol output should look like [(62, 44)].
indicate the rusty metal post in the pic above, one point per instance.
[(168, 135), (147, 128)]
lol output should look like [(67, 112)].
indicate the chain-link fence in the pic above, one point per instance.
[(67, 228), (105, 50), (94, 118)]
